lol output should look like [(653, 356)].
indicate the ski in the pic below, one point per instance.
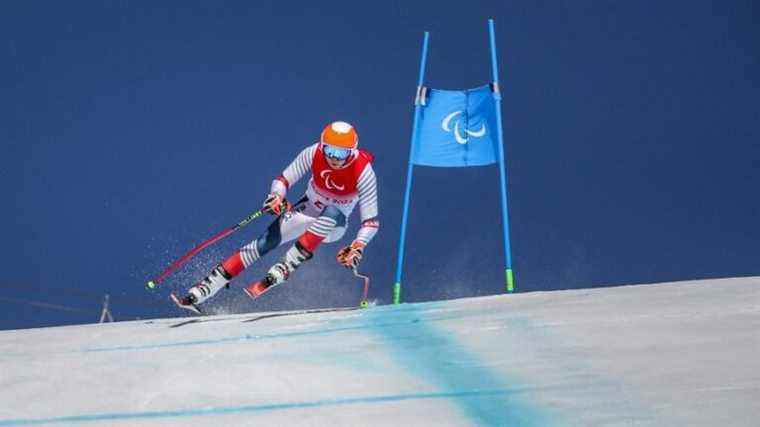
[(191, 307), (254, 290)]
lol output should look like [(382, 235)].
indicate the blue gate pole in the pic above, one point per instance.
[(412, 145), (509, 276)]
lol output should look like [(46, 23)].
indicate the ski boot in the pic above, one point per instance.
[(187, 302), (203, 290), (280, 272)]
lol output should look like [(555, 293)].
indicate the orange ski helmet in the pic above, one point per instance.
[(340, 134)]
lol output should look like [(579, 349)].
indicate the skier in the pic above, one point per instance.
[(341, 177)]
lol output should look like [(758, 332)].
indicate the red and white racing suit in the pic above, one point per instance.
[(321, 215)]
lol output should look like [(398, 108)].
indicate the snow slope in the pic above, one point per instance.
[(673, 354)]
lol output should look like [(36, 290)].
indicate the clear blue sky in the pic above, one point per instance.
[(131, 131)]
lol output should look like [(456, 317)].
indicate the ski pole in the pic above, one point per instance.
[(221, 235), (364, 303)]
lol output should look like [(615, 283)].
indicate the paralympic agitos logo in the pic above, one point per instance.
[(329, 183), (458, 136)]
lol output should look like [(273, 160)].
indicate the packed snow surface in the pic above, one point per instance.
[(677, 354)]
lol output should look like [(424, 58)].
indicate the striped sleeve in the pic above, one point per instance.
[(367, 187), (368, 230), (295, 171), (368, 205)]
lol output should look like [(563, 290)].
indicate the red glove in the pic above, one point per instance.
[(276, 204), (351, 256)]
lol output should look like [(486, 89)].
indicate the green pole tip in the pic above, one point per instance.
[(364, 304), (397, 293), (510, 281), (151, 284)]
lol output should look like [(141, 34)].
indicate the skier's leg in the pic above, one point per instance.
[(336, 234), (223, 273), (268, 240), (284, 229), (330, 223)]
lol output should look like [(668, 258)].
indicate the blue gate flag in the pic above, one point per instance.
[(457, 128)]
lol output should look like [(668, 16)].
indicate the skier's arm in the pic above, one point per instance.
[(367, 206), (351, 255), (295, 171)]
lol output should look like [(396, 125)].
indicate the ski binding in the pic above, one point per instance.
[(187, 306)]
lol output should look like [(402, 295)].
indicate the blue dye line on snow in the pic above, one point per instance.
[(250, 337), (471, 394), (422, 349), (246, 337), (437, 357)]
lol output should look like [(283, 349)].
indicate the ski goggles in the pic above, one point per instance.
[(336, 153)]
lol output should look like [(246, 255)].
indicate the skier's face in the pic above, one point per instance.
[(335, 164), (336, 157)]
